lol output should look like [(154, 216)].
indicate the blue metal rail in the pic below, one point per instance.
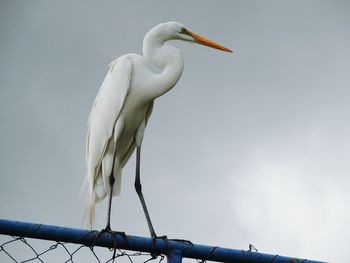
[(175, 250)]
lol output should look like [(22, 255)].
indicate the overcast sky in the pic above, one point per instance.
[(247, 148)]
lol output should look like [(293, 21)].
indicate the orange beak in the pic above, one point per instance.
[(206, 42)]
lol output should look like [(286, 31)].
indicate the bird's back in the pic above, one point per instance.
[(119, 115)]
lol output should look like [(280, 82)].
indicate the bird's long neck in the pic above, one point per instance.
[(164, 57)]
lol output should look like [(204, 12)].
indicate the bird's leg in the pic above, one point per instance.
[(138, 188), (111, 183), (108, 229)]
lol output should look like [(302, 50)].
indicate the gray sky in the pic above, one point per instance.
[(247, 148)]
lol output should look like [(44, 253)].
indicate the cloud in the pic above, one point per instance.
[(291, 197)]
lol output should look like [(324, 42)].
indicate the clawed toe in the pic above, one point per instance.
[(183, 240), (112, 233), (162, 237)]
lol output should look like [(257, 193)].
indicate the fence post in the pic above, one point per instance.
[(174, 256)]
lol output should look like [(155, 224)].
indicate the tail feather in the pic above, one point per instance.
[(96, 193), (92, 199), (90, 211), (99, 187)]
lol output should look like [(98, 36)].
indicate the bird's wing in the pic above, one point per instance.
[(138, 136), (104, 114)]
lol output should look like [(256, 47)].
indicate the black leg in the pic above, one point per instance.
[(111, 183), (107, 229), (138, 188)]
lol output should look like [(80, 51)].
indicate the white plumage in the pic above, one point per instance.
[(124, 103)]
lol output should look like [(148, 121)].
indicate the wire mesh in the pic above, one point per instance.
[(29, 242), (19, 249)]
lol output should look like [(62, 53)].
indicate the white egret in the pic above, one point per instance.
[(123, 106)]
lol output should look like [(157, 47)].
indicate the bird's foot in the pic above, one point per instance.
[(114, 234), (166, 240), (154, 239), (183, 241), (161, 237)]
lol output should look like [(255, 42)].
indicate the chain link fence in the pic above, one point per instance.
[(20, 250), (28, 242)]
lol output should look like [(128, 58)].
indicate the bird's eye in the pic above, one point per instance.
[(184, 31)]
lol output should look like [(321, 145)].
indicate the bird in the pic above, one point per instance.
[(122, 108)]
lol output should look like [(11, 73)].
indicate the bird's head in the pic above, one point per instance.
[(176, 30)]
